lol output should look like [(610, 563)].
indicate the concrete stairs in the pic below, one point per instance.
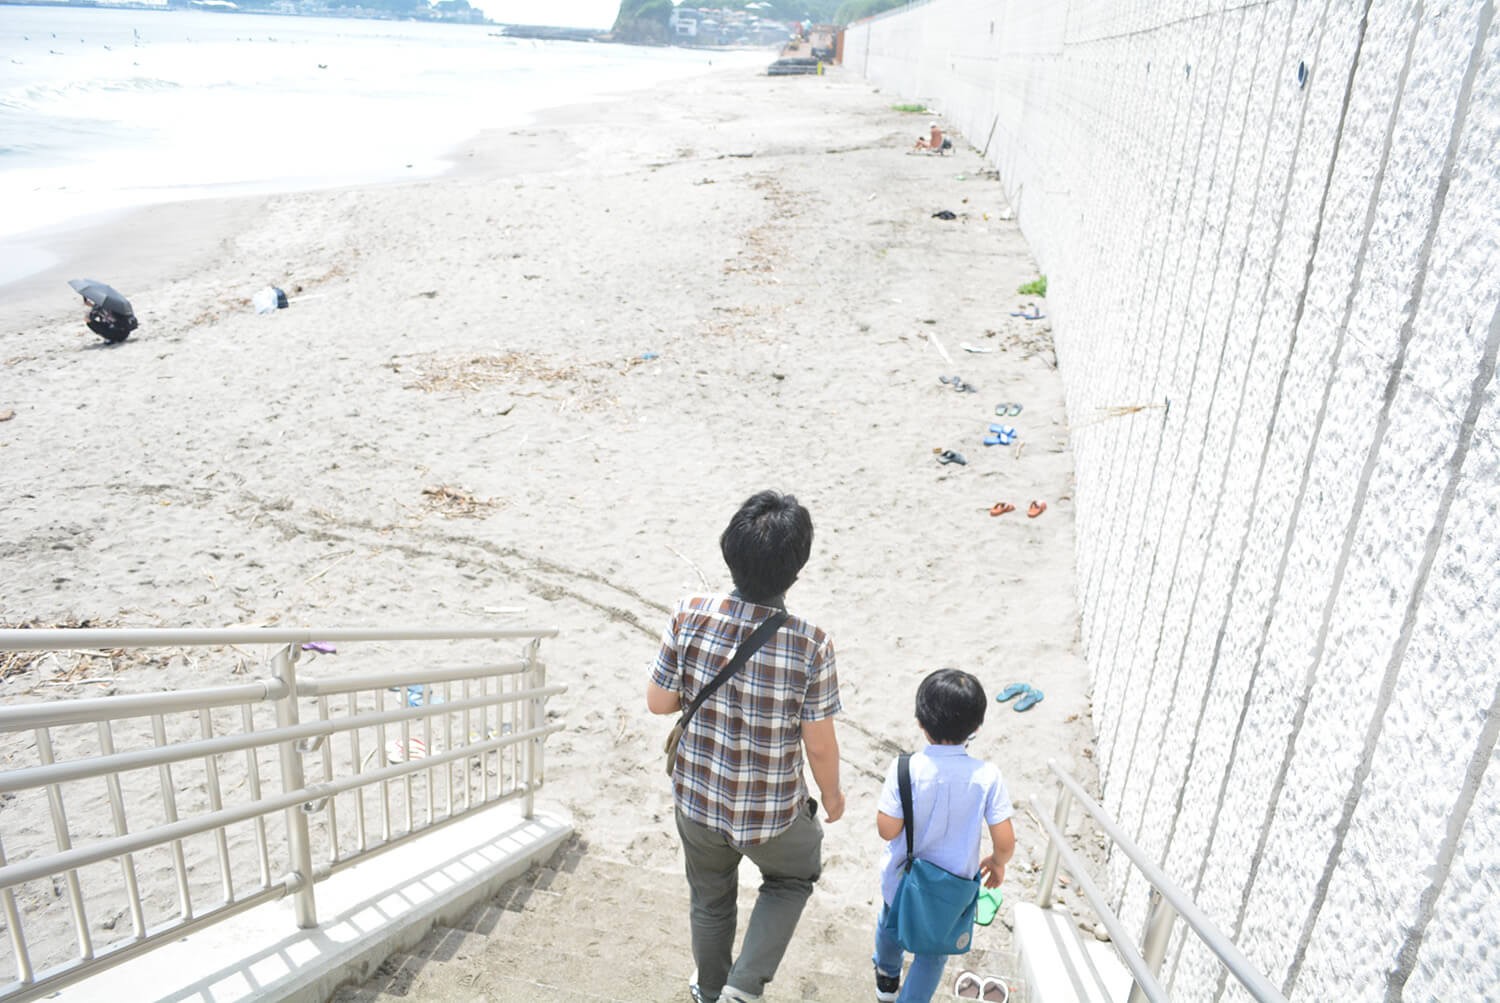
[(583, 926), (1061, 966)]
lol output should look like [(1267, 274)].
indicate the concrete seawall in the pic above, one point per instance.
[(1283, 218)]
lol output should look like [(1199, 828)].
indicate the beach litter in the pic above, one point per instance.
[(83, 663), (454, 502), (945, 214), (1121, 410), (472, 373), (269, 300), (397, 751), (321, 647), (977, 350), (7, 414), (414, 697)]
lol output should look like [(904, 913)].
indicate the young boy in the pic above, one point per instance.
[(738, 784), (954, 796)]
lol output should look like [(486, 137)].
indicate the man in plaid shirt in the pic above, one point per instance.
[(738, 783)]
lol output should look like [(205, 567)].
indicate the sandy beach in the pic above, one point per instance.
[(545, 382)]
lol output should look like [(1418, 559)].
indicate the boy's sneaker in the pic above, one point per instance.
[(887, 987), (697, 994)]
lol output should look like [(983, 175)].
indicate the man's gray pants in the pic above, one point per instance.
[(789, 864)]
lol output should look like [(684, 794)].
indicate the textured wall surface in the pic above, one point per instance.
[(1282, 217)]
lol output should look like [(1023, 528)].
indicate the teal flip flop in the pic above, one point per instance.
[(989, 905), (1030, 700), (1011, 692)]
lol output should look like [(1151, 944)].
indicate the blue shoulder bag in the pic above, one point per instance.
[(933, 909)]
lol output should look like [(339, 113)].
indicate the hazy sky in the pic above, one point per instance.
[(572, 13)]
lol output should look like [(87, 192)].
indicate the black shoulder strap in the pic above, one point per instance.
[(752, 644), (903, 781)]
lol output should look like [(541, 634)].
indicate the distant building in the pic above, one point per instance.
[(683, 22), (723, 26)]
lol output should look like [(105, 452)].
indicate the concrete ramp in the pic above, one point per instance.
[(1062, 967)]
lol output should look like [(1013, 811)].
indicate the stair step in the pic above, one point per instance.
[(597, 969), (1062, 967), (586, 927)]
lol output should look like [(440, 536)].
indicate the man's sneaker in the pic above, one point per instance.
[(887, 987), (730, 994), (697, 994)]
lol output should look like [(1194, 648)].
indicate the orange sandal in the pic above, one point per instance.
[(1000, 508), (1036, 508)]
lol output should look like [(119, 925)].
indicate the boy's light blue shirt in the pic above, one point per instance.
[(955, 797)]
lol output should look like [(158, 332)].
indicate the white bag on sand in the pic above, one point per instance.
[(269, 300)]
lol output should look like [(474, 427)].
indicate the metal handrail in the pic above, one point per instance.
[(69, 860), (102, 766), (507, 703), (1178, 902), (90, 710), (387, 680), (1144, 977), (90, 638)]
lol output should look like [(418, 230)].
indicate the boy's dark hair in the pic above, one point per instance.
[(766, 544), (950, 706)]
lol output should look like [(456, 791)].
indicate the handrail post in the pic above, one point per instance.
[(535, 674), (1049, 866), (1159, 920), (299, 842)]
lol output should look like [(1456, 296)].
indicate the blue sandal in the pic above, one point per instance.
[(1030, 700), (1011, 692)]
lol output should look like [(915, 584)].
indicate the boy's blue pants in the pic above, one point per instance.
[(926, 969)]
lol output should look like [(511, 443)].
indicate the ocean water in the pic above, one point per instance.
[(109, 109)]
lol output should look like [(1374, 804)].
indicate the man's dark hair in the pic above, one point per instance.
[(766, 544), (950, 706)]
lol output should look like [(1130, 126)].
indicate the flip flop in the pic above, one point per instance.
[(1000, 438), (967, 986), (1030, 700), (1000, 508), (949, 456), (1033, 314), (1035, 509), (992, 990), (398, 752), (989, 906), (1003, 409), (1015, 409), (1011, 692)]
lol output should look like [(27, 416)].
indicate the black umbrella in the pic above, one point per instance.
[(100, 295)]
